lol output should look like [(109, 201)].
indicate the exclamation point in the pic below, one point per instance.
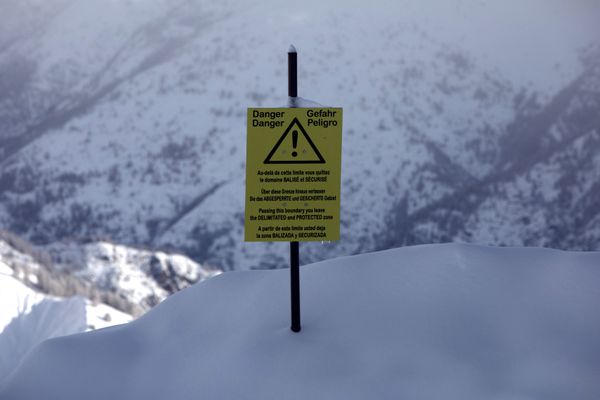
[(294, 143)]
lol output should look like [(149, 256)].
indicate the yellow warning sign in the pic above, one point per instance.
[(288, 151), (293, 174)]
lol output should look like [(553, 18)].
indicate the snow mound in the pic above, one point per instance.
[(47, 319), (16, 298), (424, 322), (27, 318)]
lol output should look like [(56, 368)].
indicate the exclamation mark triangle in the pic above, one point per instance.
[(297, 148)]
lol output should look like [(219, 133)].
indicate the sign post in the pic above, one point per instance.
[(294, 245), (293, 177)]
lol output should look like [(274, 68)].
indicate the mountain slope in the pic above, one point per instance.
[(543, 190), (436, 321), (129, 279), (126, 120)]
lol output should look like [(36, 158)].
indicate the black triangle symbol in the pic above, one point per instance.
[(318, 157)]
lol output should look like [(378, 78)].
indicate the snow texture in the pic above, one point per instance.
[(28, 317), (16, 297), (425, 322), (299, 102), (47, 319)]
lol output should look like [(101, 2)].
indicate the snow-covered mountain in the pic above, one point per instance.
[(68, 288), (130, 279), (36, 305), (448, 322), (143, 277), (544, 189), (465, 120)]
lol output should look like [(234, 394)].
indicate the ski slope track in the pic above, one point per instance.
[(433, 322)]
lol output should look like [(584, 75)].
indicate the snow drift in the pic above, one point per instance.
[(426, 322), (28, 317)]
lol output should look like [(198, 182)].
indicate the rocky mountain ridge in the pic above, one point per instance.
[(127, 279)]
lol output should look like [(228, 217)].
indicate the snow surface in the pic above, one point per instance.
[(27, 318), (425, 322), (47, 319), (15, 296)]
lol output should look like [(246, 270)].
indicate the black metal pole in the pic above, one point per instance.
[(295, 285), (292, 72), (294, 246)]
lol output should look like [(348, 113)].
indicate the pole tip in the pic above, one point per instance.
[(292, 49)]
